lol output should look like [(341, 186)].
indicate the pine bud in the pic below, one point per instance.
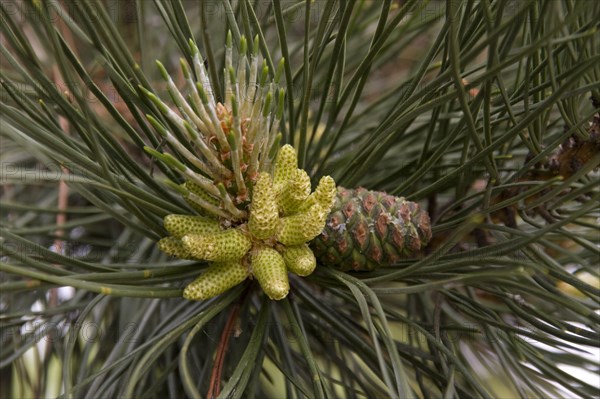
[(300, 259), (269, 269), (218, 278), (223, 246), (180, 225), (263, 212)]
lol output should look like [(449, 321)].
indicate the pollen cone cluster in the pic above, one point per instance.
[(283, 216), (221, 153)]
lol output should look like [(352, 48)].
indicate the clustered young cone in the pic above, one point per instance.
[(270, 244), (255, 210)]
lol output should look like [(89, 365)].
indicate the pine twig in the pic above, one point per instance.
[(214, 388)]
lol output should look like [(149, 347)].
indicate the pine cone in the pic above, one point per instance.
[(367, 229)]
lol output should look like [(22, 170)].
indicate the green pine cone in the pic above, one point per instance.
[(367, 229)]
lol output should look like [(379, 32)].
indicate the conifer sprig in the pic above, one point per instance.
[(460, 106)]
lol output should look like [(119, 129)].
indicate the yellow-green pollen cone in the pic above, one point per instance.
[(263, 210), (270, 270), (300, 259), (251, 207), (282, 218), (219, 277)]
